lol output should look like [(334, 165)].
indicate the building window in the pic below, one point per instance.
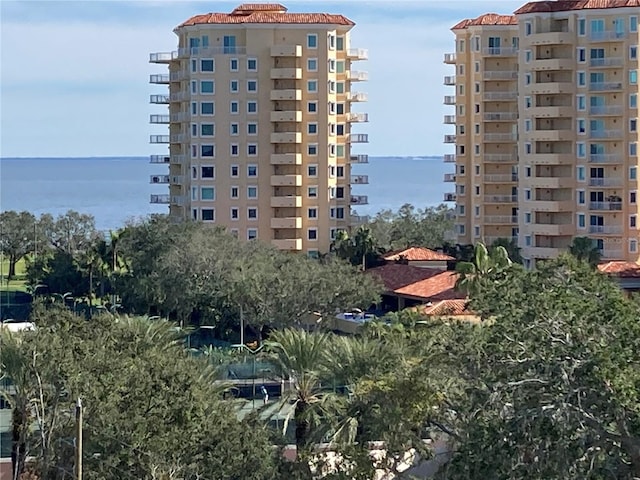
[(632, 221), (633, 77), (234, 86), (312, 107), (528, 148), (207, 65), (208, 214), (233, 64), (194, 66), (252, 128), (252, 170), (633, 246), (527, 56), (582, 79), (312, 192), (527, 217), (252, 85), (235, 192), (581, 126), (528, 28), (340, 43), (633, 173), (312, 212), (207, 171), (235, 150), (312, 64), (252, 213), (633, 100), (252, 64), (207, 194), (207, 87), (633, 52), (207, 108), (235, 213), (582, 26), (312, 86), (580, 174), (235, 171), (527, 194), (312, 128), (207, 150), (527, 102), (312, 234), (252, 234), (582, 222), (581, 197), (581, 102), (234, 129), (312, 170), (582, 55), (312, 40), (234, 108), (252, 150), (332, 65), (252, 192), (312, 149), (633, 124), (252, 107), (207, 130), (633, 149), (633, 197)]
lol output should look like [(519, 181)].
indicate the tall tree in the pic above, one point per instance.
[(473, 274), (73, 233), (17, 236), (585, 249)]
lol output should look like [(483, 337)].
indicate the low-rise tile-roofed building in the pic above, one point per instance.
[(454, 308), (567, 5), (486, 19), (419, 257), (626, 274)]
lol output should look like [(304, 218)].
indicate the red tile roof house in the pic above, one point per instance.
[(419, 257), (407, 286), (626, 274)]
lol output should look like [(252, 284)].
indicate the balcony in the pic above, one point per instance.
[(358, 138), (607, 36), (500, 96), (361, 158), (359, 200), (547, 135), (449, 58), (211, 50), (552, 205), (286, 73), (605, 229), (159, 159), (286, 137), (450, 158), (542, 252), (500, 158), (606, 110), (449, 120), (449, 177), (605, 134), (500, 75), (162, 57), (500, 137), (287, 94), (500, 198), (548, 182), (606, 62), (552, 229), (178, 200), (500, 51), (500, 116), (286, 159), (177, 179), (501, 178), (357, 54), (356, 76), (286, 180), (605, 86), (552, 64), (552, 112), (357, 97), (286, 51), (359, 179), (449, 99), (179, 138), (449, 139), (617, 206), (606, 182), (180, 96), (293, 244), (612, 158), (357, 117), (552, 159), (159, 179), (500, 219), (450, 80), (551, 88), (489, 240), (158, 139), (178, 159), (359, 219), (159, 119), (286, 116), (449, 197), (612, 254), (550, 38), (180, 117), (160, 79), (159, 99), (178, 76), (163, 198), (288, 201), (289, 222)]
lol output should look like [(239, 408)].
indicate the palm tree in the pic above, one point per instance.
[(472, 274), (585, 249), (359, 249), (301, 356)]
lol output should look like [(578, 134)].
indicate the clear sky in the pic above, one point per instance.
[(74, 74)]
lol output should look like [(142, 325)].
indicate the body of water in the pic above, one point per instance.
[(114, 190)]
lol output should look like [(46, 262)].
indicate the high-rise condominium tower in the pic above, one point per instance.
[(566, 73), (261, 125)]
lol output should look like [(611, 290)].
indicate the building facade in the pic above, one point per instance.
[(262, 134), (577, 133)]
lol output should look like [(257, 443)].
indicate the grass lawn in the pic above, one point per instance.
[(19, 282)]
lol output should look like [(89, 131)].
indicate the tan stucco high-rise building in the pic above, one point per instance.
[(261, 125), (577, 129)]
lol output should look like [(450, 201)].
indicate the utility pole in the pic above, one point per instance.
[(79, 439)]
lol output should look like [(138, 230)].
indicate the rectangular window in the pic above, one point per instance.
[(235, 149), (207, 151), (207, 108), (207, 194), (582, 220), (582, 55), (633, 149), (582, 26), (633, 77), (332, 65), (340, 151), (633, 197), (207, 171), (582, 79), (207, 130), (207, 65), (234, 106), (233, 64), (252, 64), (252, 170), (312, 170), (206, 87), (252, 192), (633, 52), (339, 67), (312, 40), (633, 124), (252, 85), (527, 217), (581, 102), (312, 85), (234, 86), (339, 87), (632, 221), (633, 246), (194, 66), (312, 212), (312, 234), (581, 197), (312, 149), (235, 192), (235, 170), (581, 150), (312, 107), (208, 214), (312, 64), (580, 174), (252, 150), (312, 192), (252, 128), (633, 100), (633, 23), (235, 213), (633, 173), (340, 43), (312, 128), (194, 130), (252, 234), (252, 107), (234, 129)]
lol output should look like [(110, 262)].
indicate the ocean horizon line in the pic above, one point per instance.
[(105, 157)]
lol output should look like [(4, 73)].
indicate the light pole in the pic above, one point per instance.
[(253, 353)]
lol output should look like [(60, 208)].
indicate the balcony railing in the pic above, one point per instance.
[(500, 116), (161, 78), (605, 229), (605, 205), (159, 99), (500, 137), (359, 200), (162, 57), (450, 119), (159, 119), (159, 179), (203, 51), (361, 158), (500, 219), (162, 198), (606, 110), (449, 177), (500, 75), (501, 178), (606, 62), (449, 58), (605, 182), (449, 158), (499, 158), (359, 179), (605, 133), (180, 96), (360, 219), (357, 117), (449, 197), (607, 36), (356, 76), (178, 159), (179, 138), (358, 54), (178, 76), (500, 95), (357, 97), (605, 158), (450, 80), (180, 117), (502, 51), (358, 138), (159, 159), (449, 99), (449, 139), (500, 198), (605, 86), (159, 139)]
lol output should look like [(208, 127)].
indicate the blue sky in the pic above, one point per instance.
[(74, 74)]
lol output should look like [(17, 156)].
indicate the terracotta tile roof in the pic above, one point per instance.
[(486, 19), (566, 5), (266, 13), (426, 283), (620, 269), (447, 307), (417, 254)]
